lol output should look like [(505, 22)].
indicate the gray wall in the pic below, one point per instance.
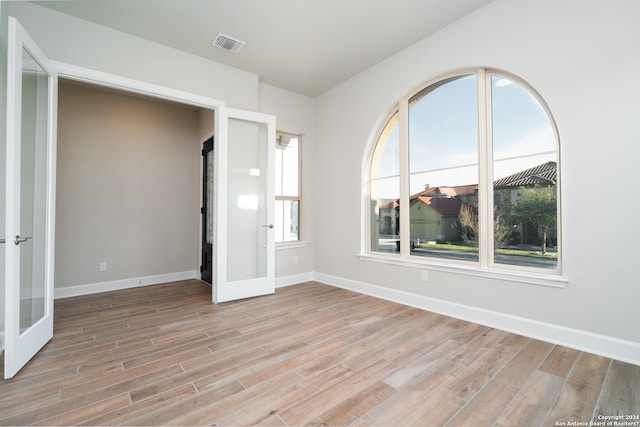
[(128, 186), (295, 114)]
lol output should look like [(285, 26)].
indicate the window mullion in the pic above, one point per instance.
[(405, 227), (485, 180)]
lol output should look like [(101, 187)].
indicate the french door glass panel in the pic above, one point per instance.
[(247, 201), (245, 197), (31, 116), (33, 155)]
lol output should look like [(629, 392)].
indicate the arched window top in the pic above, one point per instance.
[(471, 179)]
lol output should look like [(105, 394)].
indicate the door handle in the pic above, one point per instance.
[(2, 240), (268, 226), (19, 239)]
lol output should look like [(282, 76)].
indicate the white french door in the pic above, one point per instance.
[(30, 199), (244, 196)]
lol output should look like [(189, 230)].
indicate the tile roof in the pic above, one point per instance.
[(459, 190), (543, 175)]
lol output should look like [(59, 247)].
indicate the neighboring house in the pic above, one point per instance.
[(509, 190), (434, 211), (390, 218)]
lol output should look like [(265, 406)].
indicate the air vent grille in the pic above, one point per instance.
[(228, 43)]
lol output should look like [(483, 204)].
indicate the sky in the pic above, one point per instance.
[(443, 136)]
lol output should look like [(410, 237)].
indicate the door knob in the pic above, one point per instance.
[(19, 239), (268, 226)]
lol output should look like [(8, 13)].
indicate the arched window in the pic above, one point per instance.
[(465, 171)]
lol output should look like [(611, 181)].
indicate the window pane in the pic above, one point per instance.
[(525, 176), (287, 164), (287, 220), (443, 162), (385, 190)]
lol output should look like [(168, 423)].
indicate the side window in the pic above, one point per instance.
[(288, 188), (481, 176), (385, 189)]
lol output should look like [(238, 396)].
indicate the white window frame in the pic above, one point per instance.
[(485, 267), (298, 198)]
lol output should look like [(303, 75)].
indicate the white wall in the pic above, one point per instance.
[(110, 51), (74, 41), (583, 59), (295, 114)]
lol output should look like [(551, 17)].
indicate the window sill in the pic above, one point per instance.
[(532, 278), (291, 245)]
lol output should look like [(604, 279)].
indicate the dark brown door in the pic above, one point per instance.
[(206, 269)]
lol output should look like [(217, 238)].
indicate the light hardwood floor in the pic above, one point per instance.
[(309, 354)]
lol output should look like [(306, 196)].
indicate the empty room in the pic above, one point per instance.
[(319, 213)]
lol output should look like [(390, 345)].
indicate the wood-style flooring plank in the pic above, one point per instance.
[(579, 395), (411, 396), (525, 363), (308, 354), (533, 401), (354, 406), (258, 411), (137, 409), (485, 406), (620, 392), (309, 409)]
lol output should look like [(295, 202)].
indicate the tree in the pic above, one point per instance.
[(469, 229), (468, 224), (538, 206), (501, 231)]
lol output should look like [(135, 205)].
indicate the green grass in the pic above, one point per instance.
[(466, 248)]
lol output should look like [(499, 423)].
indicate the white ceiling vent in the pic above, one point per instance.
[(229, 43)]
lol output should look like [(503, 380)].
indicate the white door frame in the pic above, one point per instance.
[(225, 287), (21, 346), (148, 89), (113, 81), (99, 78)]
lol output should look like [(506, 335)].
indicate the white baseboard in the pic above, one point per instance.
[(94, 288), (614, 348), (293, 280)]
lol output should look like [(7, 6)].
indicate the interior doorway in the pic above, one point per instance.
[(206, 269), (129, 187)]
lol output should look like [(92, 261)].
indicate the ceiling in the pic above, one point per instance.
[(305, 46)]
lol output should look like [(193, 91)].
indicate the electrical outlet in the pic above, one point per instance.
[(295, 259), (103, 266), (424, 275)]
